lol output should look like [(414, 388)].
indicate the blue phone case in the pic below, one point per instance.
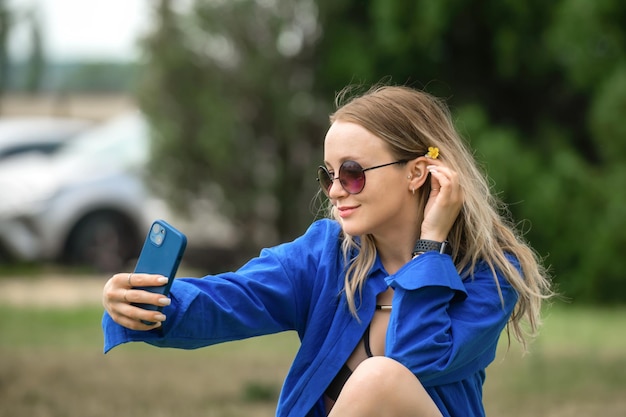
[(161, 254)]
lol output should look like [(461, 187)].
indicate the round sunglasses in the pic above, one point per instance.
[(351, 176)]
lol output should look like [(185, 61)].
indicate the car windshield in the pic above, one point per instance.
[(22, 135), (122, 141)]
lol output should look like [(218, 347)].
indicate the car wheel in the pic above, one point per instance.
[(104, 241)]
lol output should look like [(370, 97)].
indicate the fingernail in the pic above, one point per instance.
[(163, 280), (164, 301), (160, 317)]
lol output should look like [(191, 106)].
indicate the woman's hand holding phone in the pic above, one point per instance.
[(134, 300), (120, 294)]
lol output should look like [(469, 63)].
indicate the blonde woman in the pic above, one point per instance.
[(399, 298)]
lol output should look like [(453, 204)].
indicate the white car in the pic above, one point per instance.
[(44, 135), (89, 203)]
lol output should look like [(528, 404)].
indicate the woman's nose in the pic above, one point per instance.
[(336, 189)]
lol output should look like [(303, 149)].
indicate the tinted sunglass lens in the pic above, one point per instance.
[(324, 178), (352, 177)]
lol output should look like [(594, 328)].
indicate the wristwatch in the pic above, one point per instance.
[(424, 245)]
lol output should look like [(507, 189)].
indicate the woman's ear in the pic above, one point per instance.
[(417, 172)]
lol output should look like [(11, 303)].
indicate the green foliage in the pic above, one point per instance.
[(258, 391), (606, 116), (587, 38), (6, 21), (36, 59), (101, 77)]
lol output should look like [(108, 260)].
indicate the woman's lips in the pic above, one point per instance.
[(346, 211)]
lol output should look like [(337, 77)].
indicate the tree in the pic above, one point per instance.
[(5, 25), (36, 67), (228, 91)]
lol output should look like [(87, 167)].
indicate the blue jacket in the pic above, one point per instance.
[(443, 328)]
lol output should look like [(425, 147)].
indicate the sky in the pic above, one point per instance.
[(83, 29)]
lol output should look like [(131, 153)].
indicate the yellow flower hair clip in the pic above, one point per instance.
[(433, 152)]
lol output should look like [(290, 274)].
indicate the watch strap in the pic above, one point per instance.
[(424, 245)]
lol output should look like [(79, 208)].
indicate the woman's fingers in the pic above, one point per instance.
[(445, 181), (133, 279), (443, 176), (144, 297), (120, 294), (444, 203), (134, 316)]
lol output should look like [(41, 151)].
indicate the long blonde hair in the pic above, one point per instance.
[(410, 121)]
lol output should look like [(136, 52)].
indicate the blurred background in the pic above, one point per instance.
[(212, 114)]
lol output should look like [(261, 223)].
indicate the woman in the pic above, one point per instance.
[(398, 299)]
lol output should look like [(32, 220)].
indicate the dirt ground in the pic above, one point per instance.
[(52, 291), (95, 107)]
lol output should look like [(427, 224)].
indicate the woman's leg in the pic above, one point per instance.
[(382, 387)]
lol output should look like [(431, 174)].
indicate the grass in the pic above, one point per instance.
[(575, 368), (51, 364)]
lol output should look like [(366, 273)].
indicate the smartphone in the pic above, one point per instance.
[(161, 254)]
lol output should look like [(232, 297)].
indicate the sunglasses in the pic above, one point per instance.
[(351, 176)]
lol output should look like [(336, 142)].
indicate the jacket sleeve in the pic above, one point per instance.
[(267, 295), (444, 328)]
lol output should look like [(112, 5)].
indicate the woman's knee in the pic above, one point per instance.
[(368, 388), (381, 373), (381, 386)]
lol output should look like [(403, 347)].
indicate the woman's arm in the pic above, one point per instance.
[(267, 295), (442, 328)]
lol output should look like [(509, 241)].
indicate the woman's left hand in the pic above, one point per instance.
[(444, 202)]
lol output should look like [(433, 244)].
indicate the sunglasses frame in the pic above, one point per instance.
[(323, 170)]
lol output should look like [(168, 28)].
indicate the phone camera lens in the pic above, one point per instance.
[(157, 234)]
